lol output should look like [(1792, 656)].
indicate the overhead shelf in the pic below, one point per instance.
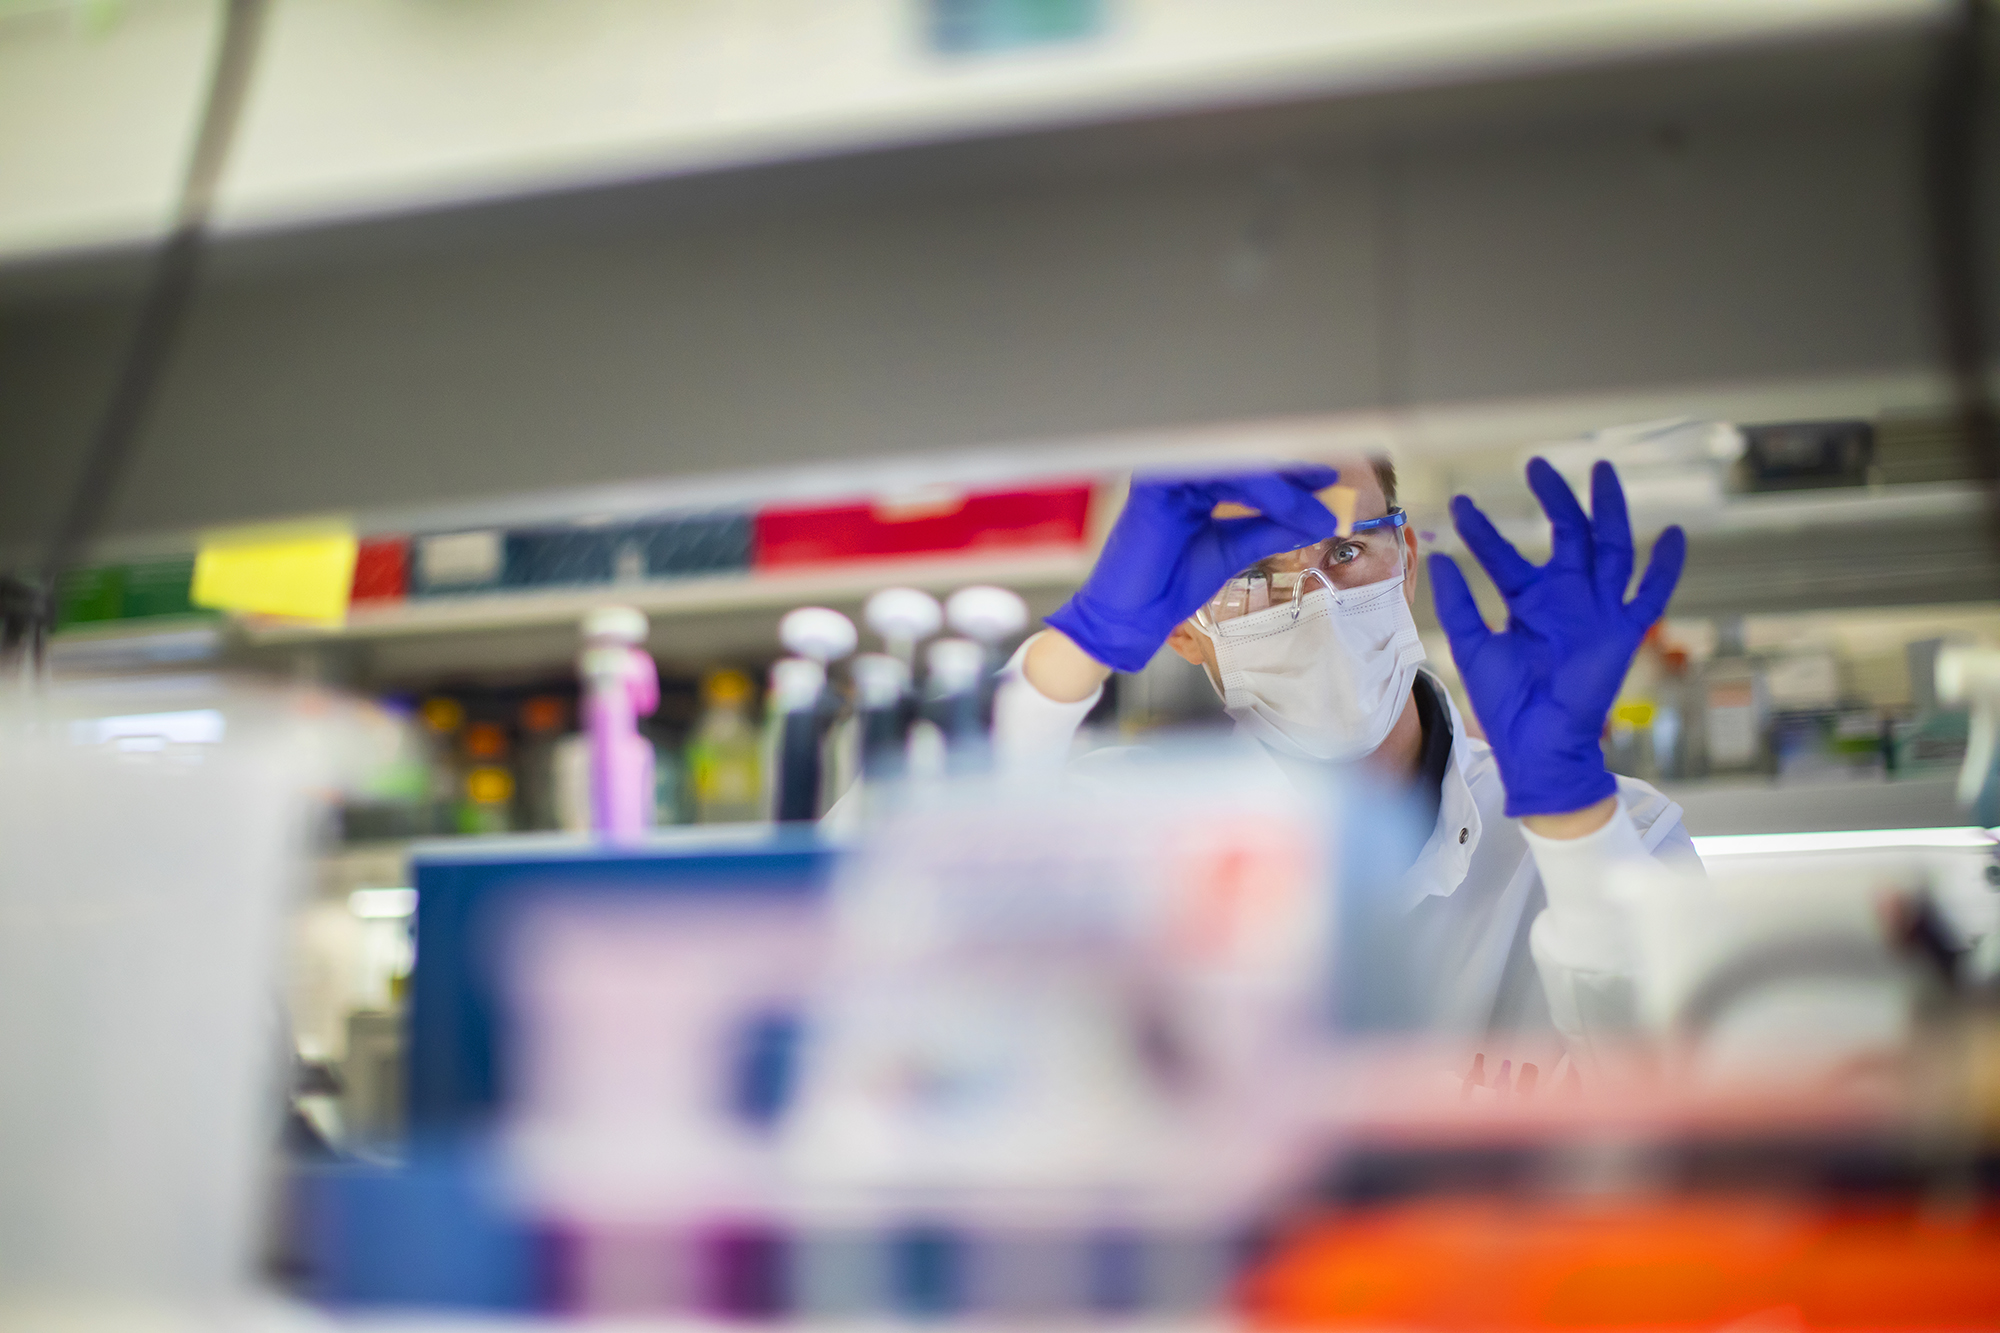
[(1897, 544), (689, 568), (1750, 515), (598, 91), (699, 620), (668, 598), (1821, 514)]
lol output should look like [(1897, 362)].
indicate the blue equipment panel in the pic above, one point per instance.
[(464, 893)]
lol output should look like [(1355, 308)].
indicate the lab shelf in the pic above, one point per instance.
[(740, 86), (1761, 805), (667, 598), (1026, 572), (1762, 515), (750, 590), (660, 599)]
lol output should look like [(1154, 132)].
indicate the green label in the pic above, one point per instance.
[(86, 596), (138, 591), (160, 588)]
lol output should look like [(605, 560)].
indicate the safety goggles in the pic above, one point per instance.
[(1373, 550)]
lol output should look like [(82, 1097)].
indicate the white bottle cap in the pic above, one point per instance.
[(956, 665), (1967, 673), (903, 615), (986, 613), (879, 680), (619, 624), (796, 683), (817, 632)]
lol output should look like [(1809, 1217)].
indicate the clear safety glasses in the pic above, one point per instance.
[(1373, 551)]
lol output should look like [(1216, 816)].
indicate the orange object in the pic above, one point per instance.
[(485, 740), (543, 713), (1680, 1263)]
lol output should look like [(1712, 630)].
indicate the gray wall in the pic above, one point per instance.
[(953, 297)]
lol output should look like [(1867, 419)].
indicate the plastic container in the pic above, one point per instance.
[(724, 756)]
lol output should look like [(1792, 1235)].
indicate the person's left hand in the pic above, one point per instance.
[(1543, 686)]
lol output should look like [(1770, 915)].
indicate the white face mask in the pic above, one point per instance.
[(1329, 684)]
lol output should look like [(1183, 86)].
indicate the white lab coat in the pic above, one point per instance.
[(1516, 947)]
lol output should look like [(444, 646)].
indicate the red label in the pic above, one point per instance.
[(923, 524), (382, 570)]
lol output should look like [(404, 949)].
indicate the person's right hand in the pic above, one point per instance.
[(1167, 555)]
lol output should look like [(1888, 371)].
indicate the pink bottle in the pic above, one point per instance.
[(620, 685)]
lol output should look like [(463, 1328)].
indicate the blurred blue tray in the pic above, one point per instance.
[(464, 891)]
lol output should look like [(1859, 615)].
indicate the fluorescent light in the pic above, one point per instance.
[(192, 726), (382, 904), (1845, 840)]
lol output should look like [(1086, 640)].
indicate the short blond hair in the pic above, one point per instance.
[(1385, 473)]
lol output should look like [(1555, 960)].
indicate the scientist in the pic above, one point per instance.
[(1307, 634)]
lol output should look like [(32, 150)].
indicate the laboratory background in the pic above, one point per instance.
[(527, 533)]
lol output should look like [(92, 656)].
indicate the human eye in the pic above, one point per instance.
[(1345, 553)]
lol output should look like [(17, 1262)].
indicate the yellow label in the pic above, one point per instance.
[(720, 775), (300, 573)]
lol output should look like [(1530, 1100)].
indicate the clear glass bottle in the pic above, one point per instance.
[(1629, 731), (1673, 719), (1735, 707)]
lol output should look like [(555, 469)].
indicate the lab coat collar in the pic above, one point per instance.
[(1442, 864)]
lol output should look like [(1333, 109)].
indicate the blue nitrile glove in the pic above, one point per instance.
[(1166, 555), (1543, 686)]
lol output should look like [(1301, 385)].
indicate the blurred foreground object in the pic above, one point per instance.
[(1027, 1048), (1663, 1262), (1646, 1202), (1799, 969), (152, 834), (1790, 1117), (1047, 1049), (1044, 988)]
